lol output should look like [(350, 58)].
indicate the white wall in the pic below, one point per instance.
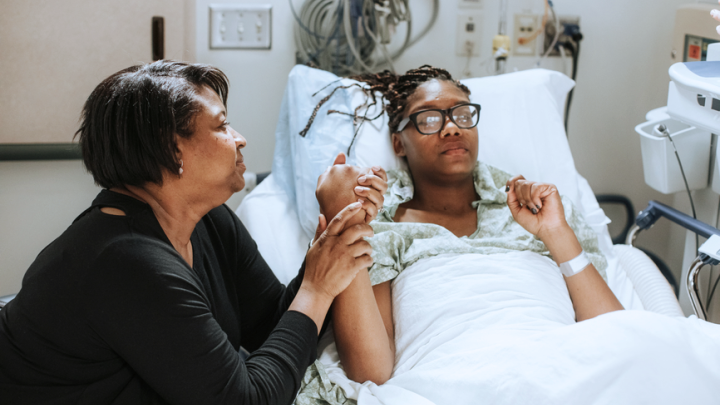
[(622, 75)]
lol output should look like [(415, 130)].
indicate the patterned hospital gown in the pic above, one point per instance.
[(398, 245)]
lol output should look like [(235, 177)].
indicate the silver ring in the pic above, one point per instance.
[(381, 210)]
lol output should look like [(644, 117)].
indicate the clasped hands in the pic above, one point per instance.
[(351, 197)]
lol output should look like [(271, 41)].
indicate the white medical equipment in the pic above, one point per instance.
[(692, 121)]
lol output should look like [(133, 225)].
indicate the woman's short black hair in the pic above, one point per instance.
[(130, 121)]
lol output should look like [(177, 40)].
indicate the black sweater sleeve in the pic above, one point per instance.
[(262, 299), (162, 326)]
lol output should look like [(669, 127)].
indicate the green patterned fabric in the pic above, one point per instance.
[(317, 389), (397, 245)]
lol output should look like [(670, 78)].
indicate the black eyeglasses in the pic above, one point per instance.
[(429, 122)]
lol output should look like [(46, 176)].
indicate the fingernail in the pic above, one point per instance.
[(507, 188), (538, 207), (355, 205), (360, 200), (376, 168), (362, 179), (359, 189), (534, 211)]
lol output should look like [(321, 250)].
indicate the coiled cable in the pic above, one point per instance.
[(350, 37)]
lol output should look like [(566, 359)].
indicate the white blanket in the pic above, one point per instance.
[(499, 329)]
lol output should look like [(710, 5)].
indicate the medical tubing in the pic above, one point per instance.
[(555, 39), (299, 21), (311, 48), (383, 47), (502, 19), (687, 187), (343, 36), (349, 37), (431, 23)]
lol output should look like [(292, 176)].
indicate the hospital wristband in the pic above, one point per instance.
[(575, 266)]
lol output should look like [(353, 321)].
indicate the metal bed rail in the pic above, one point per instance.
[(654, 211)]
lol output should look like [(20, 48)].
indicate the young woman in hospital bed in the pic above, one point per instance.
[(468, 303)]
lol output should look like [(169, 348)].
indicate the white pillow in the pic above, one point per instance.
[(520, 130)]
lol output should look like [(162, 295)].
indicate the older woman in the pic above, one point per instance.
[(150, 294)]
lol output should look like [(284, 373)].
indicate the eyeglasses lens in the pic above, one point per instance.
[(464, 116), (429, 121)]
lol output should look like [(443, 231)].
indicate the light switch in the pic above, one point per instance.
[(231, 26)]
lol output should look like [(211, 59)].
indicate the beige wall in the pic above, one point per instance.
[(53, 53)]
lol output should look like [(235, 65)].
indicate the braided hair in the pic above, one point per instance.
[(394, 89)]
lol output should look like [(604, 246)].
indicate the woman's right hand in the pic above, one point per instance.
[(716, 15), (337, 254)]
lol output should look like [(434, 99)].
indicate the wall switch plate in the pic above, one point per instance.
[(470, 4), (525, 27), (240, 26), (469, 34)]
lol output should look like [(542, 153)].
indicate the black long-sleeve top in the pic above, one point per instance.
[(110, 313)]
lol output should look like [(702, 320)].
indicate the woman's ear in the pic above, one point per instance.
[(397, 143)]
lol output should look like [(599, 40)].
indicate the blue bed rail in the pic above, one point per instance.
[(647, 218)]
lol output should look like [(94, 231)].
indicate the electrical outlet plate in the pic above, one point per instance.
[(469, 34), (549, 33), (240, 26), (525, 26)]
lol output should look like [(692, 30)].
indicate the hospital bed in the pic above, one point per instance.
[(438, 359), (520, 131)]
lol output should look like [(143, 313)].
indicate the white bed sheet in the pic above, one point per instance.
[(520, 345)]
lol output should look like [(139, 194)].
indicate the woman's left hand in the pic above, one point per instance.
[(716, 15), (537, 207), (371, 186)]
